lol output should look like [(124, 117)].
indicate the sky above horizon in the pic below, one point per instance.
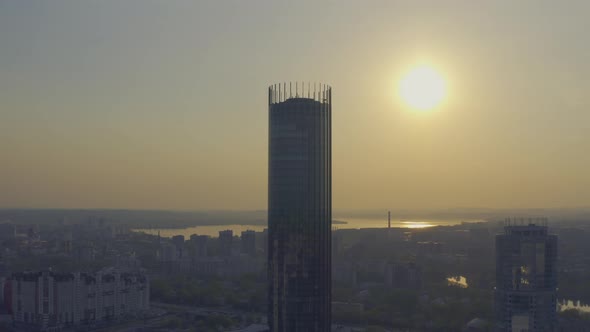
[(162, 104)]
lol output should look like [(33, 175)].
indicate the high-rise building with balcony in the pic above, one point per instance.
[(248, 242), (199, 245), (526, 277), (225, 241)]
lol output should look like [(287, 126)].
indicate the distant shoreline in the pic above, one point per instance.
[(209, 224), (161, 219)]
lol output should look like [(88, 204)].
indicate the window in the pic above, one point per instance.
[(45, 287)]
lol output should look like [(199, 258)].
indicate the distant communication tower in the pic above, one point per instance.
[(388, 219)]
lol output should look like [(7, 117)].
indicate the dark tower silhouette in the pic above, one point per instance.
[(299, 208), (388, 219)]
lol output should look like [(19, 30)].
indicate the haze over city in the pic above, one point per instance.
[(162, 105), (294, 166)]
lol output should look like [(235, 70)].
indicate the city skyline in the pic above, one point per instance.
[(152, 106), (175, 166)]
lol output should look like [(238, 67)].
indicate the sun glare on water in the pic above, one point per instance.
[(422, 88), (412, 224)]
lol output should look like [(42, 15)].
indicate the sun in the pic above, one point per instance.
[(422, 88)]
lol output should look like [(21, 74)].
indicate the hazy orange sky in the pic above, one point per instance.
[(161, 104)]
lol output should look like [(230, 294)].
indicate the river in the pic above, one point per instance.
[(569, 304), (348, 223)]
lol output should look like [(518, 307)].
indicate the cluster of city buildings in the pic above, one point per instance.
[(224, 256), (78, 242), (39, 298), (51, 301)]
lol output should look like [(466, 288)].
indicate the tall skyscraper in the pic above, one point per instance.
[(526, 277), (299, 208)]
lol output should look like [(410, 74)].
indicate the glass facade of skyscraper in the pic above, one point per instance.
[(299, 209)]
